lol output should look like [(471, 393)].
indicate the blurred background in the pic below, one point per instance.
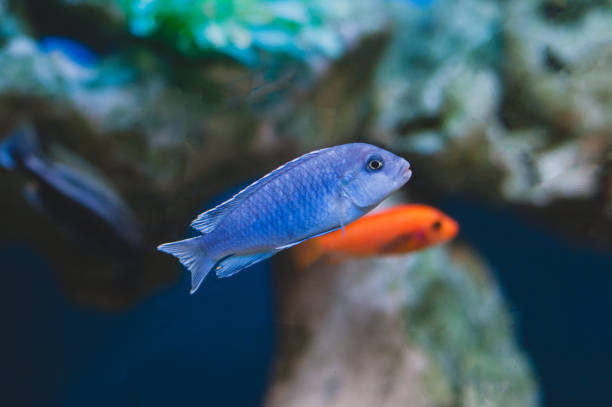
[(121, 120)]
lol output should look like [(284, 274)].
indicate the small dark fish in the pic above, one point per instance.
[(314, 194), (84, 204)]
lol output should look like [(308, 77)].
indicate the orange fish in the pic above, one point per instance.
[(397, 230)]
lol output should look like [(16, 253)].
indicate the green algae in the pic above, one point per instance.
[(458, 317), (242, 29)]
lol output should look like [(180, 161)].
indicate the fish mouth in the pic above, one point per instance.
[(453, 228), (405, 173), (408, 173)]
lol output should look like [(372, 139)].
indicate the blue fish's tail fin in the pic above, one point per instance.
[(191, 254), (21, 143)]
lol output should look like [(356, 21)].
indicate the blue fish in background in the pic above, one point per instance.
[(422, 3), (419, 3), (71, 49), (89, 209), (314, 194)]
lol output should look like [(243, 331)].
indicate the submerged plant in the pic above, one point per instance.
[(242, 28)]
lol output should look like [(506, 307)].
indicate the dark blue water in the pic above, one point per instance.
[(211, 348), (560, 296), (215, 347)]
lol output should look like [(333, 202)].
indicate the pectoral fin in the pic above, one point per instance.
[(304, 239)]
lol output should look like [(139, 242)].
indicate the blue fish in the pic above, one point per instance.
[(90, 210), (312, 195), (71, 49)]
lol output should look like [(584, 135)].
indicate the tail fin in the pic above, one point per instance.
[(20, 143), (190, 254), (307, 253)]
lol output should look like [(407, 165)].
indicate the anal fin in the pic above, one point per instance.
[(235, 263)]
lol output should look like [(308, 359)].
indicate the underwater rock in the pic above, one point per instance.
[(508, 101), (436, 55), (159, 126), (338, 106), (119, 127), (437, 94), (496, 88), (453, 85), (561, 62), (423, 330), (557, 80)]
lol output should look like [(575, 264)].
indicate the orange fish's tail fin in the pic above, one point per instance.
[(307, 253)]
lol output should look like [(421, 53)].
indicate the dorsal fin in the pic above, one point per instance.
[(207, 222)]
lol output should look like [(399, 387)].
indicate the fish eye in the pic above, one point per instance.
[(375, 163), (437, 225)]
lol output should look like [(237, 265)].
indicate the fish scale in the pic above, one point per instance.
[(314, 194)]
